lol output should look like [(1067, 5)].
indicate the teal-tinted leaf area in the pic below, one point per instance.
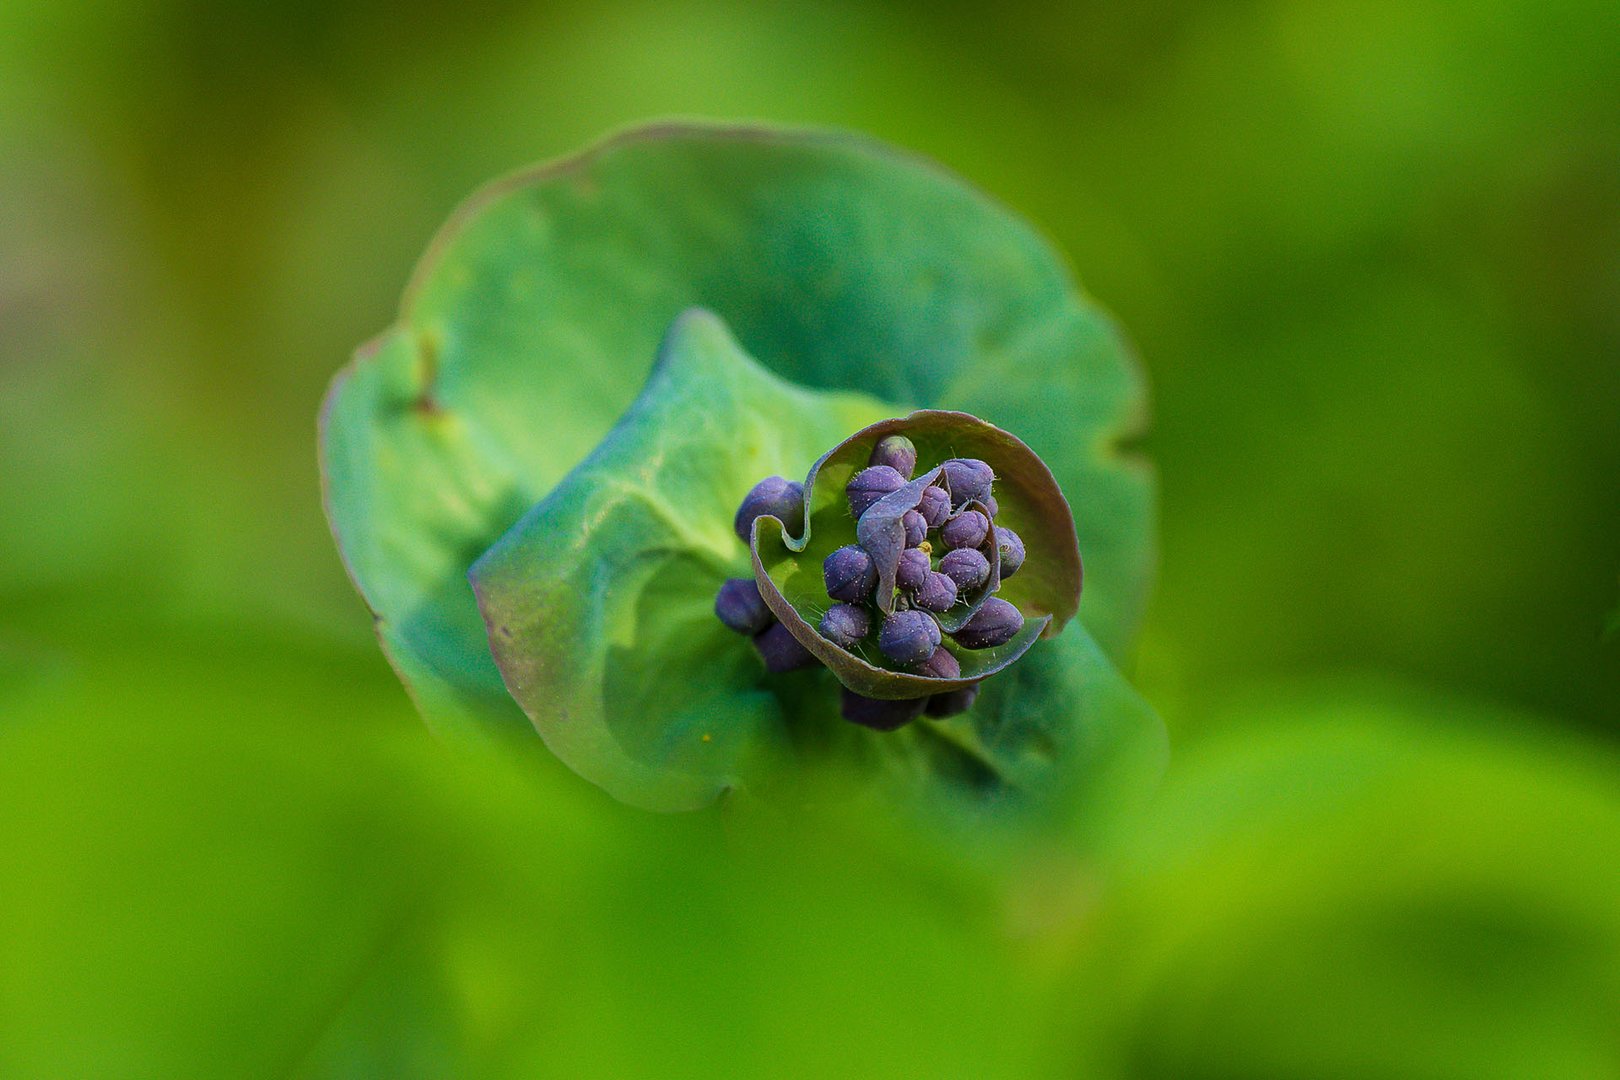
[(415, 493), (1060, 734), (600, 602), (838, 263)]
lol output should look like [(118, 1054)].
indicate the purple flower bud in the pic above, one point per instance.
[(1012, 551), (952, 702), (966, 530), (916, 528), (991, 507), (967, 479), (781, 651), (871, 484), (967, 567), (879, 714), (938, 593), (849, 574), (775, 497), (935, 506), (739, 606), (845, 624), (941, 665), (898, 453), (913, 569), (997, 623), (909, 637)]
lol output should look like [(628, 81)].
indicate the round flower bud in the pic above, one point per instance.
[(912, 570), (871, 484), (879, 714), (898, 453), (938, 593), (739, 605), (772, 496), (909, 637), (968, 478), (997, 623), (1012, 551), (941, 665), (966, 530), (952, 702), (967, 567), (849, 574), (935, 506), (845, 624), (781, 651), (916, 528), (991, 507)]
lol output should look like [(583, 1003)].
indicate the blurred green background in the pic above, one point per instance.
[(1370, 254)]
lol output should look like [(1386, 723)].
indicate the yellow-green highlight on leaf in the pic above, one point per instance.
[(837, 262), (600, 602)]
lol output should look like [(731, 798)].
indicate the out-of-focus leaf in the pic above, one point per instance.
[(838, 263), (1362, 892), (185, 898), (600, 602)]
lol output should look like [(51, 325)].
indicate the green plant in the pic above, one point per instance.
[(497, 428)]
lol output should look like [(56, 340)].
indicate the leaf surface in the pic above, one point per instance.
[(838, 263)]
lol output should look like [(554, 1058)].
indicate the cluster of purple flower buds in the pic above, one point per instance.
[(739, 604), (949, 536)]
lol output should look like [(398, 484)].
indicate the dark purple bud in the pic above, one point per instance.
[(871, 484), (775, 497), (935, 506), (879, 714), (739, 606), (991, 507), (967, 567), (952, 702), (845, 624), (909, 637), (941, 665), (1012, 551), (781, 651), (997, 623), (912, 570), (966, 530), (898, 453), (938, 593), (916, 528), (967, 479), (849, 574)]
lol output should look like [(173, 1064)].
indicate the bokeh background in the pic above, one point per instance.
[(1370, 255)]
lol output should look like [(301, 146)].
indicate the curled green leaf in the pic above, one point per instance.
[(1047, 591), (599, 603), (535, 315)]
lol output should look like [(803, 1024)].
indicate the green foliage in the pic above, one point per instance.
[(1368, 251), (837, 263), (1338, 892), (599, 605), (1373, 888), (600, 602)]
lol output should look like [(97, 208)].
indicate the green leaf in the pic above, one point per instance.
[(600, 611), (1060, 736), (1359, 887), (600, 603), (838, 263), (1047, 590)]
